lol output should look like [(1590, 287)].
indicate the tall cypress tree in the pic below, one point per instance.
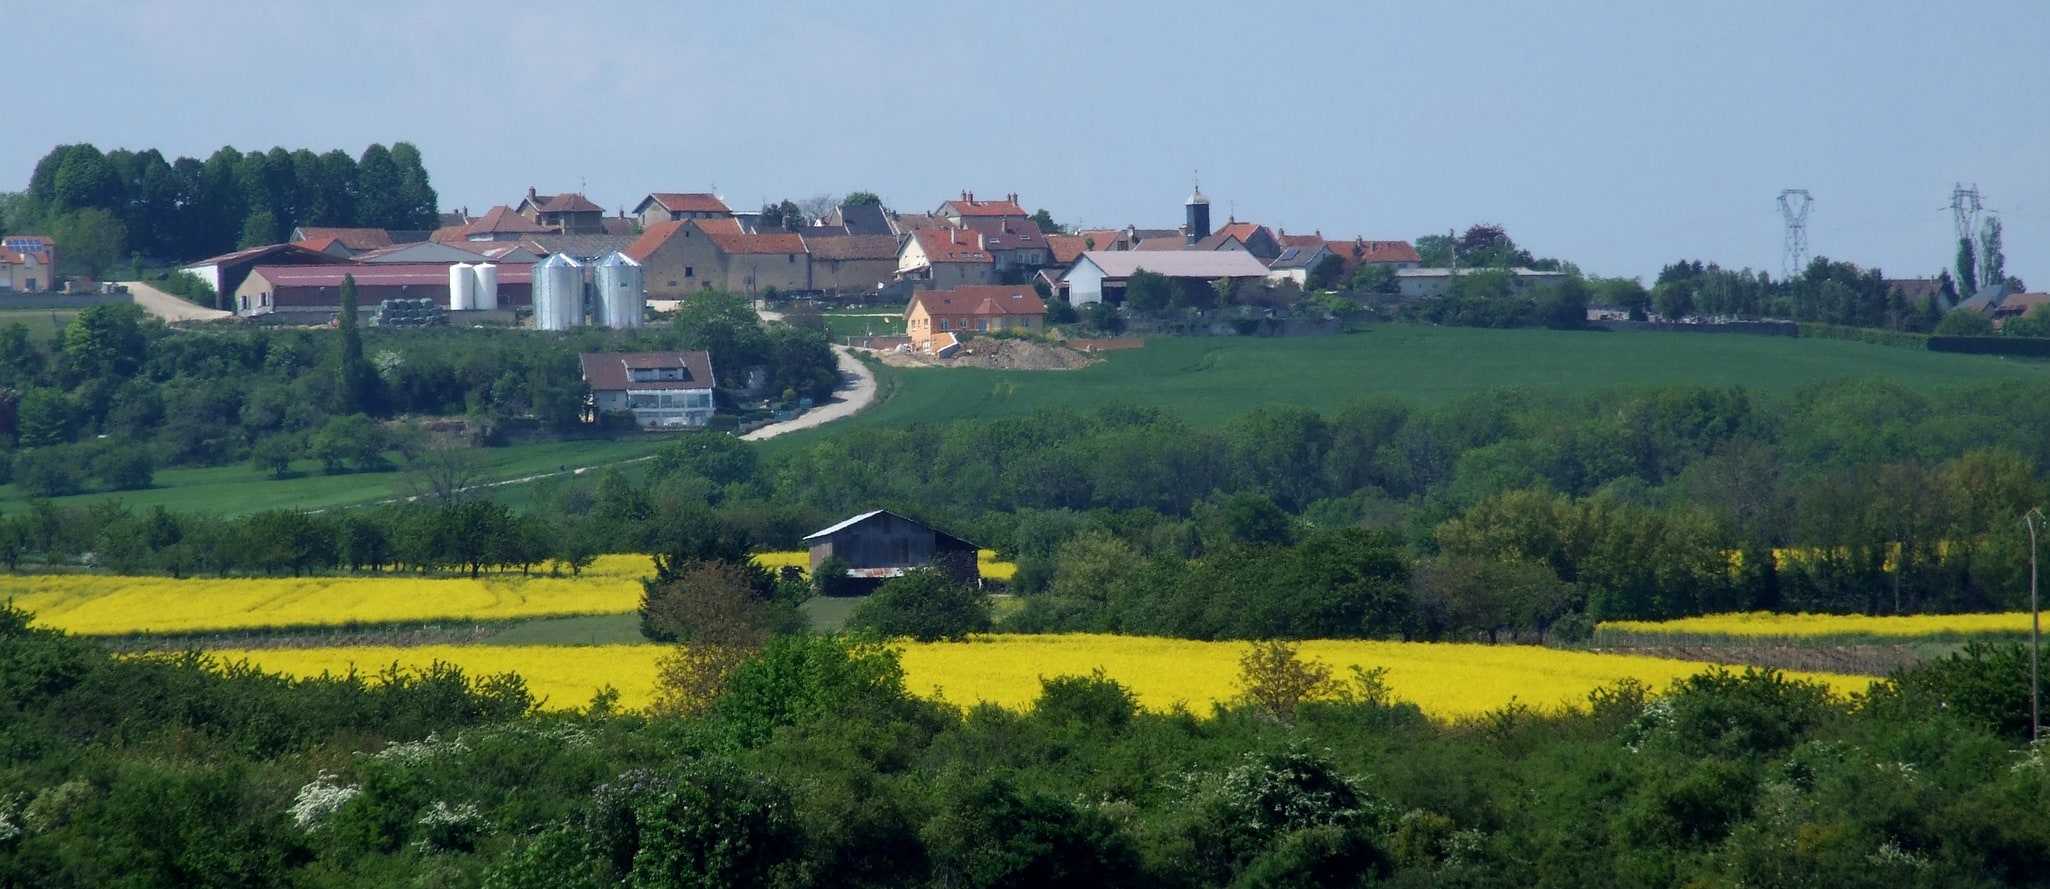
[(355, 378), (1967, 269)]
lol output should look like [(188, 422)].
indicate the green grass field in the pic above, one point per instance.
[(1210, 380), (239, 489), (42, 324)]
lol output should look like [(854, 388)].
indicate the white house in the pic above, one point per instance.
[(1099, 271), (664, 390), (943, 259), (1418, 283)]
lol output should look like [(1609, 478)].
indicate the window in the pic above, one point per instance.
[(946, 324), (690, 272), (793, 257)]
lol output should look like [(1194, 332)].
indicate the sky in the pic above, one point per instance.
[(1620, 136)]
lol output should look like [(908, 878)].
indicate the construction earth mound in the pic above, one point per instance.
[(995, 353)]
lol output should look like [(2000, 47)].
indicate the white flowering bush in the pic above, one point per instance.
[(450, 828), (319, 799)]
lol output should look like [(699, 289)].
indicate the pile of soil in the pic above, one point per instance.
[(998, 354)]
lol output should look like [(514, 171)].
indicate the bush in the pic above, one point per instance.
[(124, 468), (2023, 347), (49, 472), (924, 605)]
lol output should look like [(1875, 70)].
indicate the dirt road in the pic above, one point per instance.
[(170, 308), (856, 390)]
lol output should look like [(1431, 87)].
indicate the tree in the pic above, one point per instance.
[(816, 207), (443, 471), (260, 229), (1967, 268), (1325, 274), (862, 199), (924, 605), (415, 205), (1151, 292), (1992, 260), (1276, 680), (356, 377), (380, 184), (106, 341), (89, 241), (2036, 323), (781, 216), (1045, 222), (1965, 322)]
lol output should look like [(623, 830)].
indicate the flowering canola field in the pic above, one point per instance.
[(97, 605), (1447, 681), (1767, 624), (108, 605)]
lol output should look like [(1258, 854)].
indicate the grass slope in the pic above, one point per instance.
[(1210, 380), (239, 489)]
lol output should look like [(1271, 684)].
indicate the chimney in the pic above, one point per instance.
[(1014, 197), (964, 195), (530, 193)]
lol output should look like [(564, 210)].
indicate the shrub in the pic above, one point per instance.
[(924, 605)]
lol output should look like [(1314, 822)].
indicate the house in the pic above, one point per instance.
[(848, 264), (226, 272), (664, 390), (500, 223), (1357, 252), (682, 257), (1246, 236), (956, 213), (1913, 291), (945, 259), (882, 544), (1420, 283), (1296, 263), (352, 240), (973, 309), (2016, 305), (664, 206), (1012, 244), (568, 213), (585, 248), (459, 251), (863, 219), (28, 263), (1101, 275)]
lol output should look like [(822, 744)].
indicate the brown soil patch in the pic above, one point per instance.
[(998, 354), (1859, 660)]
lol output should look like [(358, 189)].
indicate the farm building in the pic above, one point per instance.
[(664, 390), (317, 289), (882, 544), (1099, 275)]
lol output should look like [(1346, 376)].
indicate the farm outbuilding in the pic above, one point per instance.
[(881, 544)]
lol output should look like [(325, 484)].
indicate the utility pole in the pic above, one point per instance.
[(2031, 518), (1965, 205)]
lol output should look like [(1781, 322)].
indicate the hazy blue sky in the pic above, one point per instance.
[(1619, 135)]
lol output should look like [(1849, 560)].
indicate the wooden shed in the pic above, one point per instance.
[(882, 544)]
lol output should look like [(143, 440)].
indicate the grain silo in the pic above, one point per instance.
[(620, 300), (487, 286), (462, 288), (558, 293)]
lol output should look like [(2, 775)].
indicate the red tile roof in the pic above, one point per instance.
[(501, 220), (740, 244), (570, 202), (321, 244), (1360, 250), (411, 274), (719, 225), (981, 300), (1003, 233), (356, 239), (652, 239), (947, 245), (16, 249), (971, 208), (1300, 240), (677, 202), (607, 371), (1066, 248)]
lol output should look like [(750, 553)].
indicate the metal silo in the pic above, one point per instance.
[(487, 286), (462, 288), (558, 293), (620, 300)]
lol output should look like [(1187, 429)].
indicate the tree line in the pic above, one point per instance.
[(812, 764), (104, 208), (116, 395)]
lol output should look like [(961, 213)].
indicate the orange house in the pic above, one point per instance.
[(973, 309)]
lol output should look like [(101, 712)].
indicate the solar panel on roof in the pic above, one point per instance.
[(1289, 254)]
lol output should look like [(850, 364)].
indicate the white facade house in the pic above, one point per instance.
[(1097, 271), (664, 390), (1419, 283)]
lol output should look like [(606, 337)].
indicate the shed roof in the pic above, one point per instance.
[(356, 239), (871, 515), (683, 202), (395, 274), (982, 300)]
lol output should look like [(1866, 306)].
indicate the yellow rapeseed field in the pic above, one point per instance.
[(1766, 624), (97, 605), (1447, 681)]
